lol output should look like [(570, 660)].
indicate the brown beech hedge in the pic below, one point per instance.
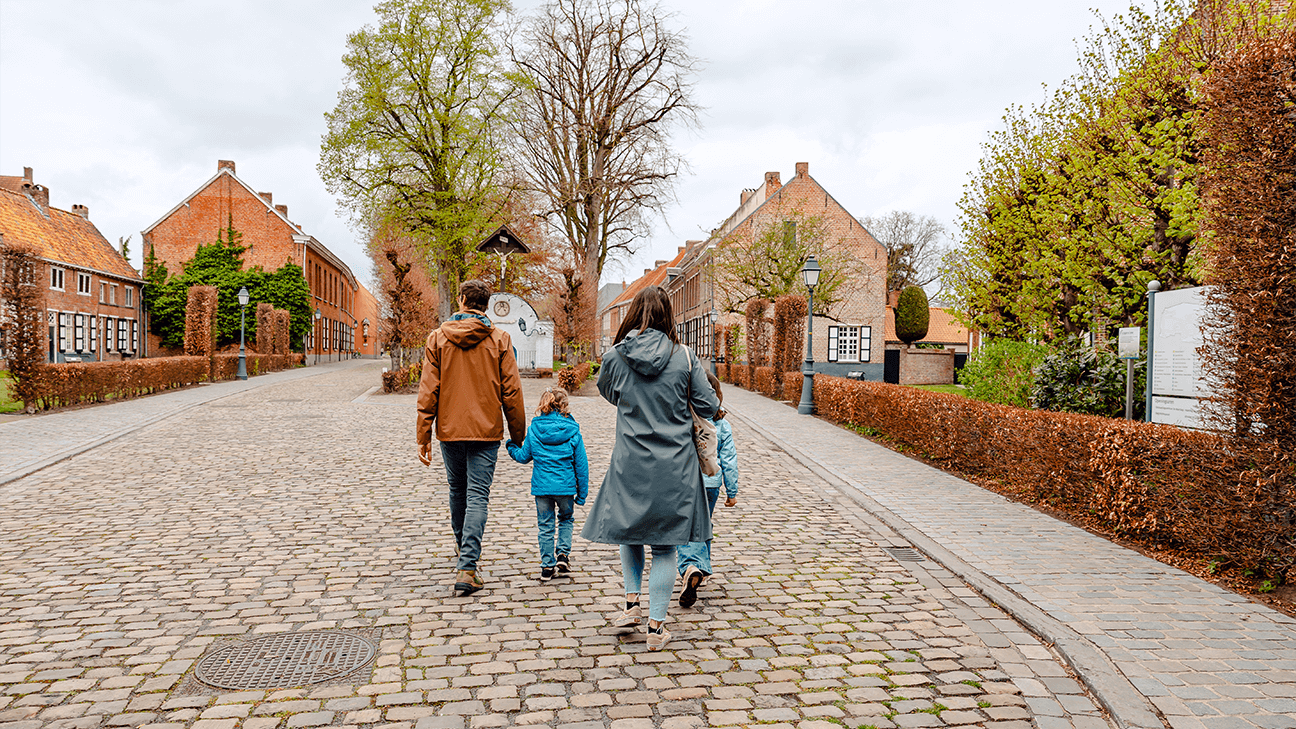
[(58, 385), (1218, 497), (225, 366)]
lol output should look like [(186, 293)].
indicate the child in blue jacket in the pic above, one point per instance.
[(559, 477), (694, 558)]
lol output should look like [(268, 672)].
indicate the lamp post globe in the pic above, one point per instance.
[(810, 274), (242, 362)]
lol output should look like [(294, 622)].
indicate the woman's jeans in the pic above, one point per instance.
[(698, 554), (661, 580), (546, 508)]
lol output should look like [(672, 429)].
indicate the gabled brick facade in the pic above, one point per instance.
[(92, 295), (850, 338), (271, 240)]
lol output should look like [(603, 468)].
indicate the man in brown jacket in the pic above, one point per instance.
[(470, 385)]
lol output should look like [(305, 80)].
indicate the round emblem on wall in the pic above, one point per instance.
[(501, 308)]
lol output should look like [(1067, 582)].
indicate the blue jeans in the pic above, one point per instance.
[(565, 506), (470, 469), (698, 554), (661, 580)]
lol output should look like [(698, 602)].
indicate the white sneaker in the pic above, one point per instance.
[(692, 581), (657, 641), (629, 618)]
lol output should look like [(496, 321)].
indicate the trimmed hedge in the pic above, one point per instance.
[(1217, 497), (792, 383), (766, 382), (72, 383), (225, 366), (571, 378)]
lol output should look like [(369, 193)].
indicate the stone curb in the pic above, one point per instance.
[(31, 467), (1128, 708)]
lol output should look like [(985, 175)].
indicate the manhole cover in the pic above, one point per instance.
[(285, 659), (906, 554)]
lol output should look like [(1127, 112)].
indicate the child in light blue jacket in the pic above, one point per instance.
[(559, 477), (694, 558)]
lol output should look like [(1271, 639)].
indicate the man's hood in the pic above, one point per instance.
[(648, 352), (465, 333), (554, 428)]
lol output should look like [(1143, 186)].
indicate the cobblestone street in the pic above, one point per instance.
[(301, 506)]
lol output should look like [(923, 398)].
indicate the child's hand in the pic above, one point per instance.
[(731, 501), (580, 502)]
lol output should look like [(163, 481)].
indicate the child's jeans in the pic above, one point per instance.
[(546, 506), (698, 554)]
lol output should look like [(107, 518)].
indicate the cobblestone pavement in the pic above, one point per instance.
[(29, 443), (301, 506), (1201, 655)]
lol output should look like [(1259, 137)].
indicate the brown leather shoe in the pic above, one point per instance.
[(467, 582)]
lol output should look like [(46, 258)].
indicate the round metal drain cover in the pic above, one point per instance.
[(285, 659)]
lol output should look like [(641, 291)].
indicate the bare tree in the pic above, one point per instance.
[(914, 248), (605, 83)]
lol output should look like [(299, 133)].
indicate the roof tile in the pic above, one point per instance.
[(59, 235)]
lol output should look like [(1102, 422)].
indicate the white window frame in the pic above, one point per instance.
[(57, 279), (93, 321), (84, 284), (861, 336), (79, 332), (134, 336), (112, 294), (121, 335), (129, 292), (103, 292), (108, 334)]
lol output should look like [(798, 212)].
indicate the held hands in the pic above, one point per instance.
[(731, 501), (425, 453)]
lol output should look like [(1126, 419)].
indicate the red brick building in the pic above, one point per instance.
[(92, 295), (272, 240), (850, 337)]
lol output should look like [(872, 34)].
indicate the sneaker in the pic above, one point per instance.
[(546, 574), (658, 638), (467, 582), (629, 618), (564, 564), (692, 581)]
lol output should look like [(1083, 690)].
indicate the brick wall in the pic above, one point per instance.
[(77, 323), (926, 366)]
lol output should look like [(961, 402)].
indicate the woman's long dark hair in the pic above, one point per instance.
[(651, 309)]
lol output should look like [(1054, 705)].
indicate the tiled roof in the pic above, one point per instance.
[(654, 277), (59, 235), (942, 327)]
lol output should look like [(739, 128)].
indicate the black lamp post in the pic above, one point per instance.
[(316, 335), (716, 354), (243, 302), (810, 272)]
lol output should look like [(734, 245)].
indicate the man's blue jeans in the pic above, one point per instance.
[(546, 508), (470, 469), (698, 554)]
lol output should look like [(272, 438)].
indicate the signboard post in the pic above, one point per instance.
[(1127, 348)]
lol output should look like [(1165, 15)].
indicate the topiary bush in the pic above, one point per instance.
[(1076, 378), (912, 316), (1002, 371)]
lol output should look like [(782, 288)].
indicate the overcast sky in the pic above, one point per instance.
[(125, 105)]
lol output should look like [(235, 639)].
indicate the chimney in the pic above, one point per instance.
[(772, 184), (81, 210), (744, 196), (803, 169), (225, 164), (38, 193), (681, 250), (27, 174), (647, 271), (283, 210), (659, 264), (268, 197)]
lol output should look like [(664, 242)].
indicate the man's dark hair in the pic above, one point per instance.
[(476, 294)]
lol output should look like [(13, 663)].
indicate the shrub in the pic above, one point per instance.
[(265, 328), (765, 381), (22, 308), (1001, 371), (200, 314), (789, 331), (60, 385), (1076, 378), (741, 374), (405, 379), (792, 383), (758, 341), (912, 315), (722, 372), (571, 378), (225, 366), (282, 327), (1174, 488)]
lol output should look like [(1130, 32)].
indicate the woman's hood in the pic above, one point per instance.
[(648, 352)]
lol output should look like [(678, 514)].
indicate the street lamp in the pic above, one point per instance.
[(316, 337), (810, 272), (716, 354), (243, 302)]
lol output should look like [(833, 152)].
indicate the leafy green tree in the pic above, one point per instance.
[(912, 315), (417, 140), (1077, 378)]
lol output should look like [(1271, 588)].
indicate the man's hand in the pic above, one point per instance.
[(731, 501), (425, 453)]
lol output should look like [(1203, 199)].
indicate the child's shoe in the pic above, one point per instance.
[(692, 580), (657, 638), (546, 574), (629, 618), (564, 564)]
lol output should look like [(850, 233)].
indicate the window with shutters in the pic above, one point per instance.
[(849, 344), (134, 335), (93, 321), (121, 335), (108, 334)]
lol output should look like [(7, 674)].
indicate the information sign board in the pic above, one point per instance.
[(1127, 343), (1177, 382)]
